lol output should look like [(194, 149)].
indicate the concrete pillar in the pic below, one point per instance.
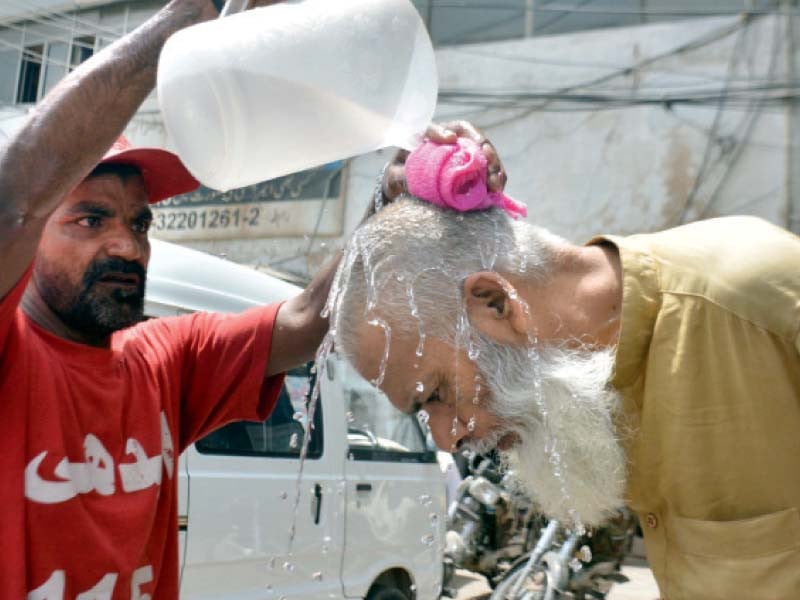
[(529, 6)]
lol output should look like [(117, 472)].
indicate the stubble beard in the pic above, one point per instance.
[(559, 405), (87, 308)]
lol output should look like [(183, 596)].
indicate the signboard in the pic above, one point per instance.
[(293, 206)]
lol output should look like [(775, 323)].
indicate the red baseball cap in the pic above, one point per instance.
[(163, 172)]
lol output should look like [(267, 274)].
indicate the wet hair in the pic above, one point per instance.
[(407, 266), (121, 170)]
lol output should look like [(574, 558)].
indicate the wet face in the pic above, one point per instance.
[(443, 382), (92, 260), (549, 409)]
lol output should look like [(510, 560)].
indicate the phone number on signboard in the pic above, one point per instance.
[(207, 218)]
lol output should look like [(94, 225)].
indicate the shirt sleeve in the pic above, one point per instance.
[(224, 367), (9, 305)]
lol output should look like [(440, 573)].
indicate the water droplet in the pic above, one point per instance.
[(324, 548), (575, 564), (317, 576), (428, 539), (298, 416), (420, 387), (283, 598), (473, 352), (350, 417), (400, 277), (423, 417), (585, 554), (387, 332), (434, 518), (272, 562), (313, 369), (288, 567), (420, 345), (350, 456), (425, 500), (293, 441), (412, 587), (471, 424), (269, 588), (284, 495), (454, 429)]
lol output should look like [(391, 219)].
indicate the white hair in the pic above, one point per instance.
[(407, 265)]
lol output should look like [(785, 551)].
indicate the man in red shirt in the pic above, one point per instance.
[(95, 405)]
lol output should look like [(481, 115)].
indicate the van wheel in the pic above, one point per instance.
[(381, 592)]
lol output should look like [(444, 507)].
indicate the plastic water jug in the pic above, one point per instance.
[(288, 87)]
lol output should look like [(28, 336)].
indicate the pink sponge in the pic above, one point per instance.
[(454, 176)]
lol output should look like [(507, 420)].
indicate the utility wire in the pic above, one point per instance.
[(712, 135), (63, 20), (565, 8)]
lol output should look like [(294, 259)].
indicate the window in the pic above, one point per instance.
[(82, 49), (45, 64), (29, 73), (280, 436), (376, 430)]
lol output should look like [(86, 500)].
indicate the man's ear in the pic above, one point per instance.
[(495, 308)]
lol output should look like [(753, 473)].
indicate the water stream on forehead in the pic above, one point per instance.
[(412, 304), (387, 332)]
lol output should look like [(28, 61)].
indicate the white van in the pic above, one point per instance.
[(371, 514)]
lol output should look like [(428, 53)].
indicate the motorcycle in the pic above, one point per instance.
[(490, 524), (495, 530), (568, 564)]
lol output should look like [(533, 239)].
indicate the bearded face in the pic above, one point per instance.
[(109, 296), (558, 408)]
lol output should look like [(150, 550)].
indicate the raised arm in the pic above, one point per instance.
[(67, 133)]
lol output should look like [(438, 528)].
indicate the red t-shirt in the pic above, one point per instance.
[(90, 439)]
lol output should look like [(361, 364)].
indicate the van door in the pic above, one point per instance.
[(242, 493), (395, 502)]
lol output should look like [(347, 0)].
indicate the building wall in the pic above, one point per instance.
[(584, 167)]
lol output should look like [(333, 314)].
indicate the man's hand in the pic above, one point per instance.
[(394, 178)]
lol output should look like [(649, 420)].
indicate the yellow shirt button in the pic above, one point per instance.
[(651, 520)]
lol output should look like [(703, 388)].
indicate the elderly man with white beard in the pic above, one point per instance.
[(658, 370)]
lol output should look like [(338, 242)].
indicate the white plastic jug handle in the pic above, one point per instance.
[(234, 6)]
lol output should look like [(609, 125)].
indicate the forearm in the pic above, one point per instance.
[(300, 328), (68, 132)]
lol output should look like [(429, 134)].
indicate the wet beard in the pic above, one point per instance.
[(559, 404), (91, 310)]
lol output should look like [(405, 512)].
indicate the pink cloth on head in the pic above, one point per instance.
[(454, 176)]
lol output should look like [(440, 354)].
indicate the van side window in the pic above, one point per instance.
[(376, 430), (280, 436)]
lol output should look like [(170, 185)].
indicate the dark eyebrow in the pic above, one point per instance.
[(92, 208)]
